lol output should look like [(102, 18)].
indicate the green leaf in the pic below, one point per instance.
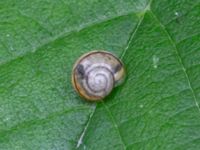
[(156, 108)]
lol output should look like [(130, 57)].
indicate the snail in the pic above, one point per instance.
[(96, 73)]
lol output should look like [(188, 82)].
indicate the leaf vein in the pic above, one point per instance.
[(115, 124), (136, 29), (179, 58), (67, 33), (80, 139), (30, 123)]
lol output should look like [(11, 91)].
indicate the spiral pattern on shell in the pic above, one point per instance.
[(95, 74)]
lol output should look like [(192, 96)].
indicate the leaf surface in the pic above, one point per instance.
[(156, 108)]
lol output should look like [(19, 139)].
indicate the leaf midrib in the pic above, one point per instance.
[(121, 57), (177, 53)]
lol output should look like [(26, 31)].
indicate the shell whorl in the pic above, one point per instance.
[(96, 74), (99, 80)]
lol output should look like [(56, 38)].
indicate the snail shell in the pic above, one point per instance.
[(95, 74)]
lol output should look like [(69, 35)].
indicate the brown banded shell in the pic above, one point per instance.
[(95, 74)]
